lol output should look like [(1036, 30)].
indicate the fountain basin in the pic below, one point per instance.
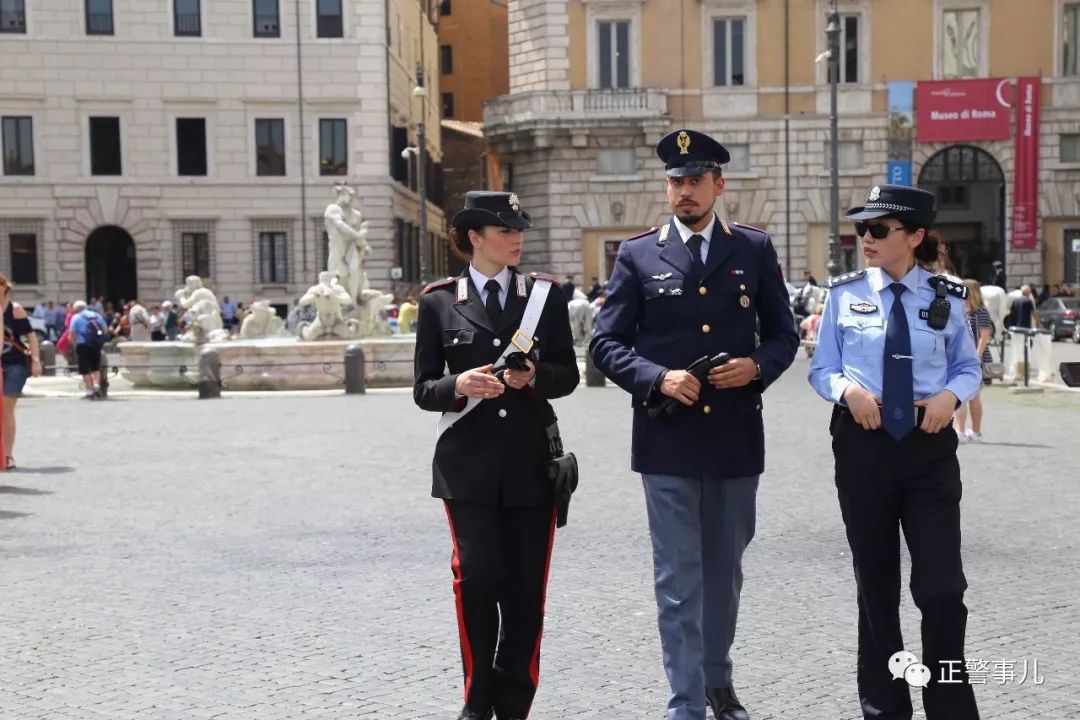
[(269, 363)]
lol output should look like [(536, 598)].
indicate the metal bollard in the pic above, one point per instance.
[(209, 374), (103, 388), (47, 352), (593, 377), (355, 371)]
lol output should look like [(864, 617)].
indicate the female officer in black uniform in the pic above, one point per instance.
[(896, 358), (491, 465)]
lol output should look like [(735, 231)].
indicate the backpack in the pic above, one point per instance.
[(95, 333)]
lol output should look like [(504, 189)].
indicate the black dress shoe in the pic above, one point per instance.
[(467, 713), (725, 705)]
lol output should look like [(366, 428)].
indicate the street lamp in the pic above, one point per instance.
[(832, 32), (421, 182)]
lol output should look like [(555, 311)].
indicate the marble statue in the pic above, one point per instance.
[(206, 325), (261, 321), (347, 238), (347, 231), (329, 298)]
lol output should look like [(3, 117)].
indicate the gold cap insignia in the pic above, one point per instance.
[(683, 141)]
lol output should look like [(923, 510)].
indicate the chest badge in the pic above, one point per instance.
[(744, 301), (738, 272), (661, 276), (864, 308)]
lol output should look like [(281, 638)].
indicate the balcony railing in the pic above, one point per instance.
[(576, 105)]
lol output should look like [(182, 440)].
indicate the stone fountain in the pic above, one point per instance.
[(263, 356)]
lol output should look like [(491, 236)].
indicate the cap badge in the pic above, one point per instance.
[(875, 193), (514, 204), (683, 141)]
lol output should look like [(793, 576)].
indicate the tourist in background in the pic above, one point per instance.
[(20, 357), (981, 324), (87, 333)]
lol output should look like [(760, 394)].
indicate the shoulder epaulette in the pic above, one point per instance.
[(438, 284), (545, 276), (958, 289), (845, 278), (650, 231), (749, 227)]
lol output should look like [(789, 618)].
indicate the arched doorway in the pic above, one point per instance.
[(110, 265), (970, 189)]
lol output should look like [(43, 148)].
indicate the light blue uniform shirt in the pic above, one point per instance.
[(851, 339)]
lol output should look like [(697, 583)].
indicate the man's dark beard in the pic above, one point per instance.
[(687, 219)]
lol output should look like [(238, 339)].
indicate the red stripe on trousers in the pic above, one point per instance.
[(534, 665), (463, 634)]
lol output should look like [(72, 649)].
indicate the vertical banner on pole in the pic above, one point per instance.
[(1025, 215), (901, 132)]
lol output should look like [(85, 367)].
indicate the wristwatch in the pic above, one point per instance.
[(758, 375)]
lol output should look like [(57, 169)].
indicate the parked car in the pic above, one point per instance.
[(1061, 316)]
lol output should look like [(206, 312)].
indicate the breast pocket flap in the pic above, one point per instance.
[(456, 337)]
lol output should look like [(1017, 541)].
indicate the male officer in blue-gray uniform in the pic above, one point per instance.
[(895, 357), (693, 287)]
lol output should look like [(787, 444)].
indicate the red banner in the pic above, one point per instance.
[(1025, 215), (962, 110)]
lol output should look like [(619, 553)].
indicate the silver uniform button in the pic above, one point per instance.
[(455, 341), (502, 413), (496, 342)]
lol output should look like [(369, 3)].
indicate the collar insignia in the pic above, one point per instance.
[(462, 290)]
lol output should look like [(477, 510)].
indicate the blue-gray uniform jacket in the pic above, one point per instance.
[(851, 337), (659, 315)]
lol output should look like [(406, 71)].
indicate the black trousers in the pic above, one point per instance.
[(500, 565), (913, 484)]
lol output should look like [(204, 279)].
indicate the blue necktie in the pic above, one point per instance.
[(898, 384), (694, 244)]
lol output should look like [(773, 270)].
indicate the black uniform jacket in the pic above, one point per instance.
[(660, 314), (498, 453)]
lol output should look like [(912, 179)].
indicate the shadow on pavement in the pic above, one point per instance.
[(9, 515), (12, 490), (47, 470)]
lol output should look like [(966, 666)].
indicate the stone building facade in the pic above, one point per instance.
[(147, 141), (595, 83)]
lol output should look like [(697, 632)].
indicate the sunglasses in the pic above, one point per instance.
[(878, 232)]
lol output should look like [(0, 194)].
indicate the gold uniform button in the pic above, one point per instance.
[(702, 290), (707, 409), (705, 328)]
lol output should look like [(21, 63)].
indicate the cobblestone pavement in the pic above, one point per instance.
[(279, 557)]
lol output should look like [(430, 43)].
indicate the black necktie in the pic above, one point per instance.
[(897, 382), (494, 309), (694, 243)]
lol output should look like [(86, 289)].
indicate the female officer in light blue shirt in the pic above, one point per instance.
[(896, 358)]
